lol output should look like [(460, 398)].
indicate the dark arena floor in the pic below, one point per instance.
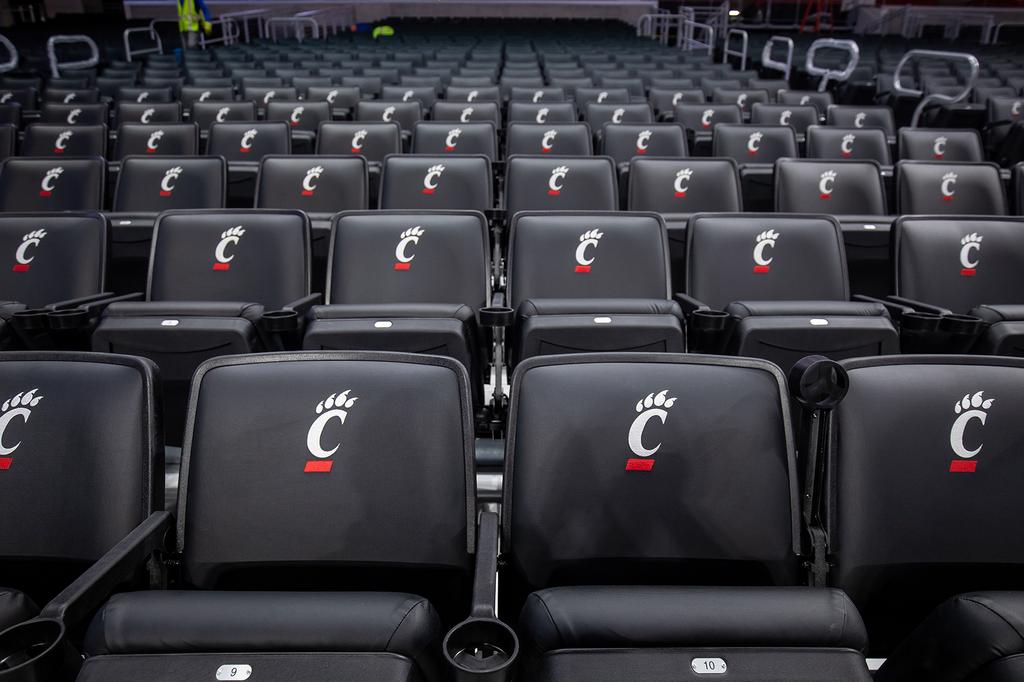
[(511, 342)]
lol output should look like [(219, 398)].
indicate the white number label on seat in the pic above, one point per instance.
[(708, 666), (234, 672)]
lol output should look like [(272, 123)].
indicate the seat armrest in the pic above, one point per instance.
[(95, 303), (918, 305), (689, 304), (303, 305), (82, 597), (485, 576), (895, 309)]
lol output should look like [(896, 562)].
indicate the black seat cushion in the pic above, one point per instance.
[(249, 311), (15, 607), (336, 311), (609, 306), (999, 313), (192, 622), (666, 616), (743, 309), (960, 638)]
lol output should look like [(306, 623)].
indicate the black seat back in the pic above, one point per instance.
[(82, 460), (587, 255), (856, 116), (319, 418), (405, 114), (633, 487), (38, 184), (239, 256), (959, 263), (320, 184), (168, 139), (833, 142), (562, 139), (836, 186), (768, 257), (409, 257), (468, 112), (754, 143), (683, 186), (924, 144), (299, 115), (703, 117), (541, 112), (207, 113), (938, 187), (147, 184), (154, 112), (53, 257), (415, 181), (47, 139), (560, 183), (623, 141), (374, 141), (440, 138), (249, 141), (932, 443), (74, 114)]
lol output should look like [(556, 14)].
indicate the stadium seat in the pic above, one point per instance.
[(303, 118), (422, 182), (207, 113), (405, 114), (833, 142), (781, 280), (982, 281), (330, 582), (855, 116), (755, 148), (931, 442), (649, 575), (46, 139), (938, 187), (560, 183), (541, 112), (74, 114), (468, 112), (407, 281), (79, 428), (439, 138), (561, 139), (249, 294), (799, 118), (156, 139), (925, 144), (132, 112), (243, 144), (320, 186), (48, 184), (570, 295), (623, 141)]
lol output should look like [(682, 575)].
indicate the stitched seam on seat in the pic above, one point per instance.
[(554, 624), (402, 622), (997, 615)]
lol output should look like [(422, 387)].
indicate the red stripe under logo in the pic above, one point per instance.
[(947, 198), (222, 266), (5, 463), (449, 149), (582, 268), (306, 193), (20, 267), (554, 192), (244, 150), (825, 196), (639, 464), (680, 195), (761, 268), (427, 190), (545, 151), (403, 266), (314, 466), (44, 193), (58, 151), (968, 272), (164, 194), (962, 466)]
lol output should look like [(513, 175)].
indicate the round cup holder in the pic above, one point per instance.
[(818, 382), (481, 650), (32, 320), (919, 322), (960, 324), (66, 320), (36, 651), (496, 316), (277, 321), (709, 320)]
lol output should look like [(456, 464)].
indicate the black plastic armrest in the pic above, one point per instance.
[(895, 310), (97, 302), (918, 305), (689, 304), (124, 559), (485, 578), (302, 305)]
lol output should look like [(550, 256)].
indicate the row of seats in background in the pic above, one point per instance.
[(687, 532)]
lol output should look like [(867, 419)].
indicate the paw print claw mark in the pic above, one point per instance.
[(26, 399), (976, 401), (659, 399), (413, 232), (334, 406), (233, 232), (972, 407), (339, 400), (19, 406)]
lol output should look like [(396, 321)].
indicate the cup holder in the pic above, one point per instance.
[(707, 330), (32, 320), (481, 650), (919, 332), (496, 316), (37, 651), (68, 320), (961, 332), (278, 321)]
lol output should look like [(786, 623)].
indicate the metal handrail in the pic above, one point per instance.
[(926, 100), (785, 67), (12, 63), (1008, 24), (848, 46), (229, 33), (689, 41), (729, 52), (297, 22), (51, 53), (151, 30), (243, 18)]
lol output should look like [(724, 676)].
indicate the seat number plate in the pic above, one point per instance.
[(708, 666), (234, 672)]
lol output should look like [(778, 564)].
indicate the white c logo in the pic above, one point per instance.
[(784, 117), (617, 116), (542, 115), (5, 419), (965, 254), (547, 143), (21, 255), (858, 120), (956, 434), (466, 115), (222, 114), (73, 115), (316, 432)]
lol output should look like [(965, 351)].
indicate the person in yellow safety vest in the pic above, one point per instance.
[(382, 31), (191, 13)]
